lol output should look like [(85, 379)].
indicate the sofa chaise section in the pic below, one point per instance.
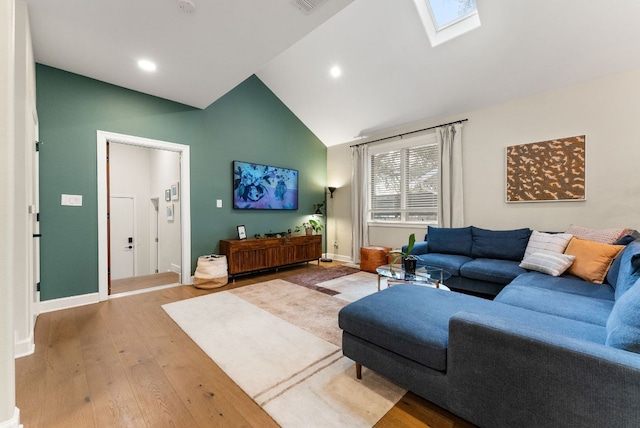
[(547, 352)]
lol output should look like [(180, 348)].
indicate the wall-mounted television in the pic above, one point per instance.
[(264, 187)]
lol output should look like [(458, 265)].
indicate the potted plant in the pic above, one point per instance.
[(306, 227), (309, 227), (409, 261), (316, 225)]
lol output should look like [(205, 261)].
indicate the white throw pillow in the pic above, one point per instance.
[(548, 262), (554, 242)]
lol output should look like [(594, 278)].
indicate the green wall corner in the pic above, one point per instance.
[(249, 124)]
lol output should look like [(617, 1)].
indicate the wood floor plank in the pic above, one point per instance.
[(113, 400), (197, 380), (140, 282), (112, 397), (191, 372), (415, 412), (30, 374), (66, 371), (125, 362), (156, 398), (160, 404)]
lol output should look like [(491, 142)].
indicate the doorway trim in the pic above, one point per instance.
[(185, 202)]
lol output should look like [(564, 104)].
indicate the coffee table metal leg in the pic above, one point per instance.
[(378, 282)]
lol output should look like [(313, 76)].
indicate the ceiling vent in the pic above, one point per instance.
[(307, 6), (187, 6)]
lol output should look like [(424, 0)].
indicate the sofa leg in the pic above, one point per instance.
[(358, 371)]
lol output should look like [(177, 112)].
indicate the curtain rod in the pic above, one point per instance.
[(410, 132)]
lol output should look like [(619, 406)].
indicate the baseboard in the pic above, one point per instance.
[(22, 348), (144, 290), (68, 302), (14, 422), (175, 268), (340, 258)]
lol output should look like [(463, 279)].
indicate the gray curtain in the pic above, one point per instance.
[(450, 198), (359, 189)]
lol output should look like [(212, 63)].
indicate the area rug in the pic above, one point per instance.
[(314, 279), (280, 343)]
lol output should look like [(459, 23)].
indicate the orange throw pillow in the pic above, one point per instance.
[(592, 259)]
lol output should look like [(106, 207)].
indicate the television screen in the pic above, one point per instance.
[(263, 187)]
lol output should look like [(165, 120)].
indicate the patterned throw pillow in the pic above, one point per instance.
[(548, 262), (553, 242), (605, 236), (592, 259)]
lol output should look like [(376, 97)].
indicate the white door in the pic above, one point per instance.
[(122, 242)]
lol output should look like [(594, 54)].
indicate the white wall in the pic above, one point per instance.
[(25, 136), (339, 208), (7, 209), (605, 110), (165, 170), (17, 109)]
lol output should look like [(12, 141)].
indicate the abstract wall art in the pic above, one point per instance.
[(547, 171)]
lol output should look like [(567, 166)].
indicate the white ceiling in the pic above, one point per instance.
[(391, 74), (200, 55)]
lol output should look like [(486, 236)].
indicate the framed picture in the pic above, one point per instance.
[(242, 233), (167, 195), (175, 191), (169, 212), (547, 171)]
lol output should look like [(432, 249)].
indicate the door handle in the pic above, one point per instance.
[(128, 247)]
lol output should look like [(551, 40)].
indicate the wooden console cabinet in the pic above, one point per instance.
[(248, 255)]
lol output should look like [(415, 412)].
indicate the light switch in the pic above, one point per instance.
[(71, 200), (219, 203)]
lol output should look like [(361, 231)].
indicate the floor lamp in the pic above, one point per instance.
[(319, 212)]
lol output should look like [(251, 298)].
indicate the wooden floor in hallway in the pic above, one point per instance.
[(141, 282)]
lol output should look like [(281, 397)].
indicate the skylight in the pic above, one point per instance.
[(446, 12), (446, 19)]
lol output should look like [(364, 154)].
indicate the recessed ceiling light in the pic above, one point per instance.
[(147, 65), (335, 71)]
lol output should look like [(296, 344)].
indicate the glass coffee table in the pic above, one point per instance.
[(426, 275)]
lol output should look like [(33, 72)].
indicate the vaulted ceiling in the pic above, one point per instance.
[(390, 73)]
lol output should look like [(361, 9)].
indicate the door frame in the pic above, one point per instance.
[(185, 202)]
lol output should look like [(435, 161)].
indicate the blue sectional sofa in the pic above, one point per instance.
[(546, 352), (480, 261)]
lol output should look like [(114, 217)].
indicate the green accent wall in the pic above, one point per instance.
[(249, 124)]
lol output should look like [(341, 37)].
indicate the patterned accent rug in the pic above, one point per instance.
[(312, 279), (281, 344)]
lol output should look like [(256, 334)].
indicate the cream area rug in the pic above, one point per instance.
[(280, 342)]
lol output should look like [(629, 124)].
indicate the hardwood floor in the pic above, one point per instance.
[(125, 363), (141, 282)]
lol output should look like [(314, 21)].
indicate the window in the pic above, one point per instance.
[(403, 181), (444, 20)]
